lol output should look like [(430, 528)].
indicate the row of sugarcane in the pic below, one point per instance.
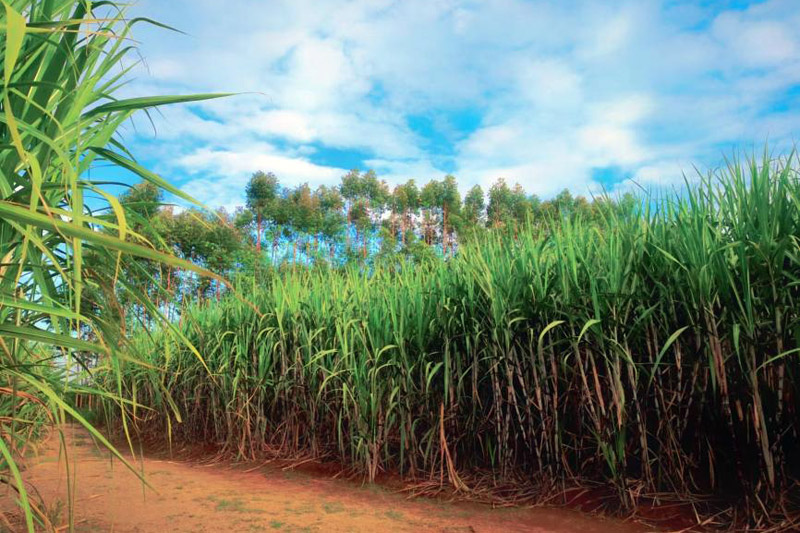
[(654, 351)]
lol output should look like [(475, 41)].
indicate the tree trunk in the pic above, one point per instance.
[(348, 228), (444, 229), (258, 230)]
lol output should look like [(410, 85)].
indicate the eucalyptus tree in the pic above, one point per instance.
[(473, 211), (261, 192), (360, 218), (352, 189), (399, 205), (405, 203), (377, 196), (500, 208), (244, 222), (474, 205), (216, 241), (366, 198), (304, 221), (450, 200), (387, 251), (225, 244), (535, 206), (377, 193), (332, 221), (143, 199), (521, 205), (281, 213), (351, 186), (429, 202), (563, 202)]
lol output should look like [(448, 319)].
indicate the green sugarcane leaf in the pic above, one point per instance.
[(137, 104), (15, 34)]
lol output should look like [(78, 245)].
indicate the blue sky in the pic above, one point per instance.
[(550, 94)]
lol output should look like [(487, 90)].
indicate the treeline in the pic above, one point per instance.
[(363, 215), (360, 221)]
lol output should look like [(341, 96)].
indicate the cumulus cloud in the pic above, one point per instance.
[(221, 174), (554, 91)]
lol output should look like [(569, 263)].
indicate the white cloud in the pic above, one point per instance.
[(220, 176), (223, 162), (606, 145), (561, 89), (664, 174), (289, 124), (400, 171), (756, 43), (549, 83)]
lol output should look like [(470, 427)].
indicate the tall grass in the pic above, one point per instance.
[(63, 63), (654, 351)]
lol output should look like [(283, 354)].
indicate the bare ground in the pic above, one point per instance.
[(194, 497)]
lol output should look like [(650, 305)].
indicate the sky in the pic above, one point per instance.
[(585, 95)]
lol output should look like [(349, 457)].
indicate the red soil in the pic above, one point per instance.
[(211, 498)]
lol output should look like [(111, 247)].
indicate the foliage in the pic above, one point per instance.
[(261, 193), (60, 261), (651, 347), (360, 221), (361, 212), (647, 344)]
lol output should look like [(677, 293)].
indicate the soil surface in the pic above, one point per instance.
[(196, 497)]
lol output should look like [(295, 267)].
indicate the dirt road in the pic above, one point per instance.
[(220, 498)]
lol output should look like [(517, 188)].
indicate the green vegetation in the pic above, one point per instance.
[(60, 260), (647, 346), (359, 223)]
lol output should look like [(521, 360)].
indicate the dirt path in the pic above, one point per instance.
[(220, 498)]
